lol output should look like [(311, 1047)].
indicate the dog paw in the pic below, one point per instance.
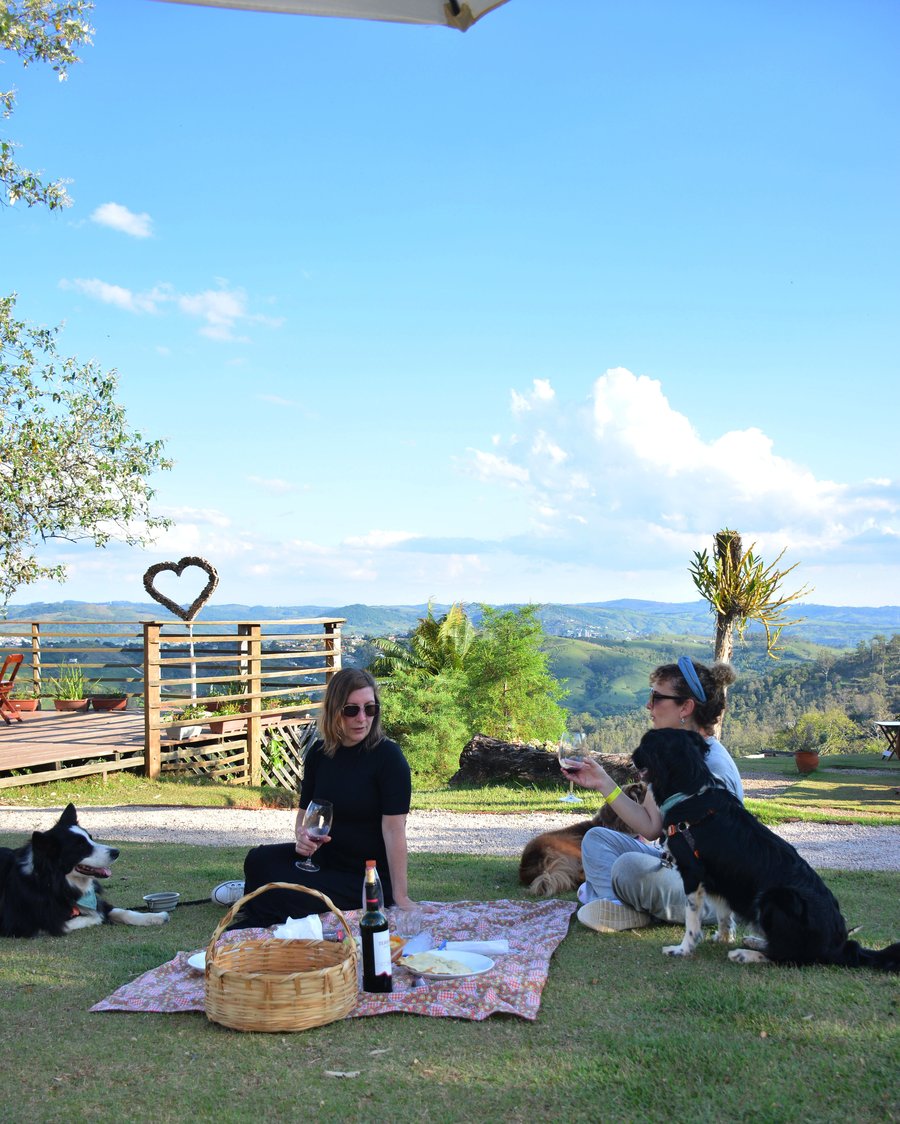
[(159, 918), (676, 950), (747, 956)]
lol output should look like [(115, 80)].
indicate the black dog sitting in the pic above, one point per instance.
[(722, 850)]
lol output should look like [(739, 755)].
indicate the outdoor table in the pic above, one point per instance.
[(891, 731)]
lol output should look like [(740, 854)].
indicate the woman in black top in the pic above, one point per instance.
[(367, 779)]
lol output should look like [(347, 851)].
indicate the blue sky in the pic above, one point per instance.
[(522, 314)]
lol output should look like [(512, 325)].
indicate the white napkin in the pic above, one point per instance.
[(300, 928), (486, 948)]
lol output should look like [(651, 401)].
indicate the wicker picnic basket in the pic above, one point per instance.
[(278, 985)]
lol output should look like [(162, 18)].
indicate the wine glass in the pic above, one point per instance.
[(316, 823), (570, 755)]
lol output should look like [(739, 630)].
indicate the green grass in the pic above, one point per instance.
[(623, 1033), (830, 795), (130, 789)]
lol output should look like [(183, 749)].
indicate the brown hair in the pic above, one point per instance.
[(340, 687), (714, 680)]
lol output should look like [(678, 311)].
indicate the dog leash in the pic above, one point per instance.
[(143, 908)]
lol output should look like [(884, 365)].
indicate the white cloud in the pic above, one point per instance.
[(221, 311), (275, 400), (117, 217), (379, 540), (632, 482), (487, 466), (275, 486), (200, 516), (123, 298), (541, 392)]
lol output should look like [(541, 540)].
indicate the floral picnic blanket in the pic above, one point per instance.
[(513, 986)]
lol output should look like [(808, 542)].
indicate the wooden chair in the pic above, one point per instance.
[(8, 706)]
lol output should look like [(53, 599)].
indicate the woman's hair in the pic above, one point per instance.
[(714, 683), (340, 687)]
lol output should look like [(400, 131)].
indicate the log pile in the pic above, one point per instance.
[(489, 759)]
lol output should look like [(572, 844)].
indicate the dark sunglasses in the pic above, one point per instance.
[(655, 696), (350, 710)]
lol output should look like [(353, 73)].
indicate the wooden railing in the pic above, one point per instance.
[(263, 667)]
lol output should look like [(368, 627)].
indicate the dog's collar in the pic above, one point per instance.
[(680, 797)]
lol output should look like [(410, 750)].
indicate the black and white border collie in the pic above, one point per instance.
[(51, 885), (724, 851)]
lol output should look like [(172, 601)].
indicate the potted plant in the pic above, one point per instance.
[(70, 690), (274, 706), (817, 732), (105, 700), (27, 699), (221, 724), (188, 724)]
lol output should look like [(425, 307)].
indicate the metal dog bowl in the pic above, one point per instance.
[(161, 903)]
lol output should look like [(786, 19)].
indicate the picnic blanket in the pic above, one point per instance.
[(513, 986)]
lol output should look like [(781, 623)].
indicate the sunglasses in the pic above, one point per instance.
[(350, 710), (655, 696)]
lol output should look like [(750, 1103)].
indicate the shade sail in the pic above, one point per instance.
[(448, 13)]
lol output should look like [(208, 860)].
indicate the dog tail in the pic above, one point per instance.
[(853, 955), (557, 877)]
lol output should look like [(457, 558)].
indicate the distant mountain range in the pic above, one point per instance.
[(829, 625)]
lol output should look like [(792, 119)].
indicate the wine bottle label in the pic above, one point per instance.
[(382, 949)]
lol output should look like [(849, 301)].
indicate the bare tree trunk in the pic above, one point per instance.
[(729, 549)]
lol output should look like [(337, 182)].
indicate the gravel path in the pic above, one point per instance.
[(825, 846)]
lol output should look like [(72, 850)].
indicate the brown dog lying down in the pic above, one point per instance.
[(551, 862)]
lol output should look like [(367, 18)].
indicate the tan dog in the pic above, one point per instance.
[(551, 862)]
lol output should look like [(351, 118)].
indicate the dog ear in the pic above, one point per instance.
[(44, 843), (69, 816)]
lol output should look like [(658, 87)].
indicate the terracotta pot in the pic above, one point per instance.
[(806, 760), (109, 702), (27, 706), (71, 704), (229, 725)]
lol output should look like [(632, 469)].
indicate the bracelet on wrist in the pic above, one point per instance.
[(617, 791)]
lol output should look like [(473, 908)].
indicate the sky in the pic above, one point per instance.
[(521, 314)]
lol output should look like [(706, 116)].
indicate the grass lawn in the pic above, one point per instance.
[(623, 1033), (860, 790)]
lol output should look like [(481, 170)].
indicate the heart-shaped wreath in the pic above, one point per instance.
[(178, 568)]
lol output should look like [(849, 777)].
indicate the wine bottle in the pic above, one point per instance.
[(374, 935)]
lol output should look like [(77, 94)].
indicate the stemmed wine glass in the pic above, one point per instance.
[(316, 823), (570, 755)]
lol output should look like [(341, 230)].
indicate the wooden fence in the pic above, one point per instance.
[(261, 683)]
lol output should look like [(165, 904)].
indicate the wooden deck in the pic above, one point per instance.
[(55, 745)]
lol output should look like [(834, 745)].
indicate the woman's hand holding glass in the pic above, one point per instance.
[(588, 773), (312, 832)]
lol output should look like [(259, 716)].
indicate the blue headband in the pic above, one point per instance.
[(692, 679)]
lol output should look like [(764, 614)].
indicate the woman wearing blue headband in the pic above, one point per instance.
[(627, 882)]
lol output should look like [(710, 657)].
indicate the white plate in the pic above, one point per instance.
[(198, 961), (474, 961)]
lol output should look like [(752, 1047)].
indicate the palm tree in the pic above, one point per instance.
[(740, 588), (435, 645)]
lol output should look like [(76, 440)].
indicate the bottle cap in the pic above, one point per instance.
[(369, 864)]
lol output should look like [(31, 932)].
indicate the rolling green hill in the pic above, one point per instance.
[(614, 621)]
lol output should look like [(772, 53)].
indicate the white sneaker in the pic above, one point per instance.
[(227, 893), (582, 893), (612, 917)]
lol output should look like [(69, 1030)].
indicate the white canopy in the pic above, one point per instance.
[(449, 13)]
